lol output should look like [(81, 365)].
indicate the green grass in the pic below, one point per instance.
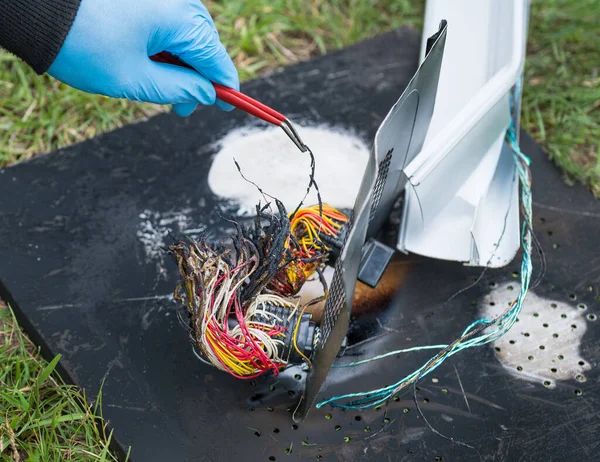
[(41, 418), (561, 100), (39, 114)]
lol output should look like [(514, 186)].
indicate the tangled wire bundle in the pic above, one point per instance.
[(239, 297)]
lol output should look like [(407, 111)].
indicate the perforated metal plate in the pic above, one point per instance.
[(75, 272), (399, 137)]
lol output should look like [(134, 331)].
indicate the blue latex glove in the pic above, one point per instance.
[(108, 47)]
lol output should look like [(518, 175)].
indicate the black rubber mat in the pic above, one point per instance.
[(73, 267)]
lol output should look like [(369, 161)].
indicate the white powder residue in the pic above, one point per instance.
[(268, 158), (544, 345), (154, 227)]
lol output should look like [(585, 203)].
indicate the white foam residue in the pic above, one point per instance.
[(268, 158), (545, 344)]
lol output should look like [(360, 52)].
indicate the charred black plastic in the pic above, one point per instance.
[(374, 261), (304, 340)]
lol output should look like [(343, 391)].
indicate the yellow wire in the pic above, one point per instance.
[(295, 336)]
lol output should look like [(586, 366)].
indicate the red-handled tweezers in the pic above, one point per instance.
[(243, 102)]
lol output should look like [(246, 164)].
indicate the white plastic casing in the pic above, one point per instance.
[(462, 200)]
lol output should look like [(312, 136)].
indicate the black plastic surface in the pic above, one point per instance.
[(375, 259), (74, 270)]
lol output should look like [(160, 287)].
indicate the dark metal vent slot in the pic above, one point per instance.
[(337, 294), (384, 168)]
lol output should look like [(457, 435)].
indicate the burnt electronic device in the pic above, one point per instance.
[(246, 316), (80, 282)]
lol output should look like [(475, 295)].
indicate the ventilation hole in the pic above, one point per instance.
[(418, 389), (549, 233), (425, 400), (377, 408), (574, 326), (298, 377), (512, 342), (542, 347), (288, 450), (251, 408), (589, 288), (358, 418), (598, 298), (396, 398), (492, 303), (272, 458), (564, 316), (592, 317), (270, 409), (328, 416), (338, 428), (444, 390), (473, 302), (515, 274), (547, 383), (272, 388), (536, 315), (581, 363), (542, 220), (319, 457), (519, 368), (561, 357), (553, 370), (572, 297), (276, 430), (582, 307), (555, 335), (256, 433), (497, 349), (437, 459), (556, 246), (578, 392), (294, 427), (435, 380), (406, 410), (526, 334), (580, 378), (510, 288), (367, 429), (492, 284), (530, 358), (554, 305), (387, 420)]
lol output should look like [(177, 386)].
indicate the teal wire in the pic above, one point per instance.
[(374, 398), (391, 353)]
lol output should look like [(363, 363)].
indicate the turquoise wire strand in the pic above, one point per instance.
[(376, 397)]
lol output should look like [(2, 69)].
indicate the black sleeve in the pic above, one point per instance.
[(34, 30)]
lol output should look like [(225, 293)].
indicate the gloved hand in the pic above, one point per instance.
[(108, 47)]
